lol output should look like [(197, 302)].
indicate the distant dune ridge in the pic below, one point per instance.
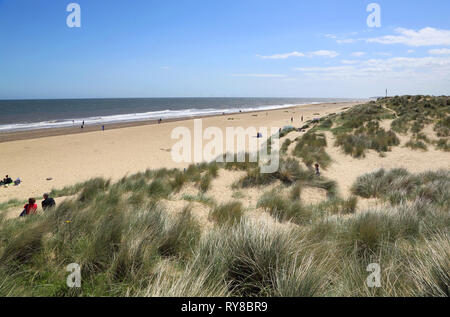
[(141, 225)]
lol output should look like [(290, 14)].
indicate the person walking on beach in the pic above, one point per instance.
[(317, 168), (48, 202), (103, 128), (302, 118), (30, 208), (292, 120)]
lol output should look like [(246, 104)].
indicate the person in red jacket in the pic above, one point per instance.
[(30, 208)]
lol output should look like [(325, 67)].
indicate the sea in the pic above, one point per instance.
[(20, 115)]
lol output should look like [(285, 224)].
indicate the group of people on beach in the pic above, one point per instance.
[(31, 207), (83, 124), (292, 119), (7, 181)]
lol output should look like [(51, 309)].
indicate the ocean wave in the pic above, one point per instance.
[(135, 117)]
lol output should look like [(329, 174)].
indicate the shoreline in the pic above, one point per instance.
[(49, 132)]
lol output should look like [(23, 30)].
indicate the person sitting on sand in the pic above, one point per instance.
[(17, 182), (30, 208), (48, 202), (6, 181), (317, 168)]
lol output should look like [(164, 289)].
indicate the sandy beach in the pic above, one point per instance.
[(118, 151)]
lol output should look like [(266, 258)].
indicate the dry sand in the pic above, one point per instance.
[(346, 169), (72, 158)]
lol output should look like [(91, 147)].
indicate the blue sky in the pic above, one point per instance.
[(216, 48)]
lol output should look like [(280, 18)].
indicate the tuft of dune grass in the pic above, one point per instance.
[(205, 182), (228, 214), (253, 259), (283, 209), (290, 172), (398, 186), (311, 148)]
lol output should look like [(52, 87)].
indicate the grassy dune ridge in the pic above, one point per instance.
[(129, 241), (358, 130)]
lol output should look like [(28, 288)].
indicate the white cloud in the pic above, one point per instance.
[(379, 69), (425, 37), (259, 75), (358, 54), (325, 53), (342, 38), (346, 41), (322, 53), (284, 56), (442, 51), (331, 69), (410, 51)]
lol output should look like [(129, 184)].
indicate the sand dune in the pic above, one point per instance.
[(346, 169)]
